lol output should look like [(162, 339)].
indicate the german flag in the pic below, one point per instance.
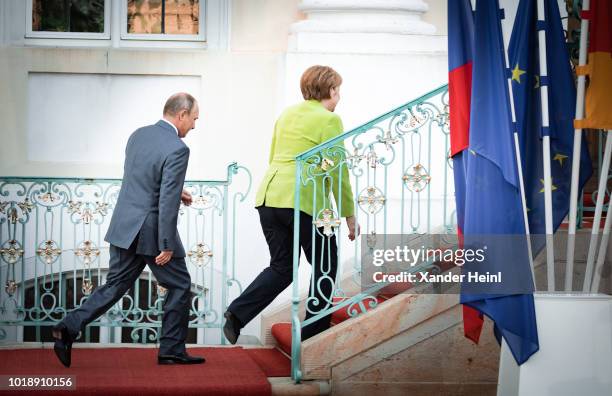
[(598, 101)]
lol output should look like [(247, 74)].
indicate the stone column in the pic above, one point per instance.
[(386, 53), (364, 26)]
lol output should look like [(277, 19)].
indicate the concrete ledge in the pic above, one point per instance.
[(284, 386)]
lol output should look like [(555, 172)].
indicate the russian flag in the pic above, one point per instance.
[(493, 201), (460, 50)]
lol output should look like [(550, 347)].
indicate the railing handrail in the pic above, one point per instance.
[(230, 171)]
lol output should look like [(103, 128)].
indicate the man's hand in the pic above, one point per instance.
[(186, 198), (163, 257), (354, 228)]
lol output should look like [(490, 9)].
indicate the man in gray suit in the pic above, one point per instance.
[(143, 232)]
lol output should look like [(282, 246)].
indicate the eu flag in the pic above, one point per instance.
[(493, 202), (523, 53)]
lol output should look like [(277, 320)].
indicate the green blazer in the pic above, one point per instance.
[(300, 128)]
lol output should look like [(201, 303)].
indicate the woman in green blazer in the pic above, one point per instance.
[(299, 128)]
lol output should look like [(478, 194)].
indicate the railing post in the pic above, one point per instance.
[(224, 277), (296, 328)]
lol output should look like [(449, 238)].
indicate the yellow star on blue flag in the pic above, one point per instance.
[(517, 73), (553, 187), (560, 158)]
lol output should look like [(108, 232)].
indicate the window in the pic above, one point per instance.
[(163, 20), (123, 23), (92, 333), (88, 19)]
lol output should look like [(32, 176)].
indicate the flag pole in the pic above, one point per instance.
[(605, 239), (517, 150), (573, 212), (550, 249), (601, 193)]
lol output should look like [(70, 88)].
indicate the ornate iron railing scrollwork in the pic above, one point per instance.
[(399, 171), (53, 256)]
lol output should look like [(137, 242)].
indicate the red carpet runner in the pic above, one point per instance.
[(134, 371)]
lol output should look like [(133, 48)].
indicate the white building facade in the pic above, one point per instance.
[(70, 100)]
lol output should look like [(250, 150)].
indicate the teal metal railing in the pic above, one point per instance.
[(402, 184), (52, 255)]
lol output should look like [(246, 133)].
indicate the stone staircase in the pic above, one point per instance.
[(410, 344)]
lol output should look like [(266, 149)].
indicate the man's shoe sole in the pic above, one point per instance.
[(228, 334), (59, 352), (172, 361), (63, 353)]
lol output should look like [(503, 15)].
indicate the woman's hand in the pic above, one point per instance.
[(354, 229)]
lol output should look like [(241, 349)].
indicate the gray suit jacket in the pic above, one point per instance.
[(148, 203)]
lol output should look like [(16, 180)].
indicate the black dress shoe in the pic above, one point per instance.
[(182, 358), (231, 328), (63, 343)]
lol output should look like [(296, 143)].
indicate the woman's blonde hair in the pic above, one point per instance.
[(317, 82)]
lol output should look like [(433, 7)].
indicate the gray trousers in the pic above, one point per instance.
[(125, 266)]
